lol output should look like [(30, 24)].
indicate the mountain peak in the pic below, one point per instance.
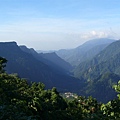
[(12, 43), (98, 41)]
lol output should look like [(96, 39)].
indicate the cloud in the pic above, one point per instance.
[(97, 34)]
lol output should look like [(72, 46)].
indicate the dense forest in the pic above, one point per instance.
[(20, 100)]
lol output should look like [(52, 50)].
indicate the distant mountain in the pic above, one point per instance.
[(101, 72), (84, 52), (51, 59), (45, 51), (107, 60), (96, 75), (29, 67), (54, 58)]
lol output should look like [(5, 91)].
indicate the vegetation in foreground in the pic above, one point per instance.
[(22, 101)]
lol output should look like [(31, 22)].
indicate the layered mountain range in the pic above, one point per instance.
[(101, 72), (105, 61), (90, 69), (85, 51), (28, 64)]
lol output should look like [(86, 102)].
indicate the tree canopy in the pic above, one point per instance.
[(20, 100)]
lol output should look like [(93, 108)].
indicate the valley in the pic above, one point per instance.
[(95, 68)]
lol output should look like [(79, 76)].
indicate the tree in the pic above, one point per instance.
[(23, 101), (112, 108), (117, 89), (3, 62)]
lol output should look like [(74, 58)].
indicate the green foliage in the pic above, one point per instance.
[(117, 89), (101, 88), (107, 61), (2, 64), (112, 109), (101, 72), (22, 101)]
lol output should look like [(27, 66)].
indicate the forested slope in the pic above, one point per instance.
[(101, 72), (22, 101)]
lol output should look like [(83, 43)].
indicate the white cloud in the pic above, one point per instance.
[(93, 32), (97, 34)]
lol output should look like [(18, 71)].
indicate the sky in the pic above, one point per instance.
[(58, 24)]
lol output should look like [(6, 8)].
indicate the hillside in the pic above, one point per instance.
[(29, 67), (101, 72), (85, 51), (107, 60), (54, 58), (23, 101), (96, 76), (50, 59), (102, 87)]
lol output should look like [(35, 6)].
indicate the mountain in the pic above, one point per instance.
[(29, 67), (107, 60), (96, 76), (51, 59), (101, 88), (101, 72), (84, 52), (54, 58), (45, 51)]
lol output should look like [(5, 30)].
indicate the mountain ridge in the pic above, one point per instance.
[(104, 58), (32, 69), (79, 54)]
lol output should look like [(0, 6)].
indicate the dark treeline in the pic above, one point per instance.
[(22, 101)]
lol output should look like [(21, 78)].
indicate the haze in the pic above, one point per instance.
[(58, 24)]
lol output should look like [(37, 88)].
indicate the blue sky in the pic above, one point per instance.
[(58, 24)]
